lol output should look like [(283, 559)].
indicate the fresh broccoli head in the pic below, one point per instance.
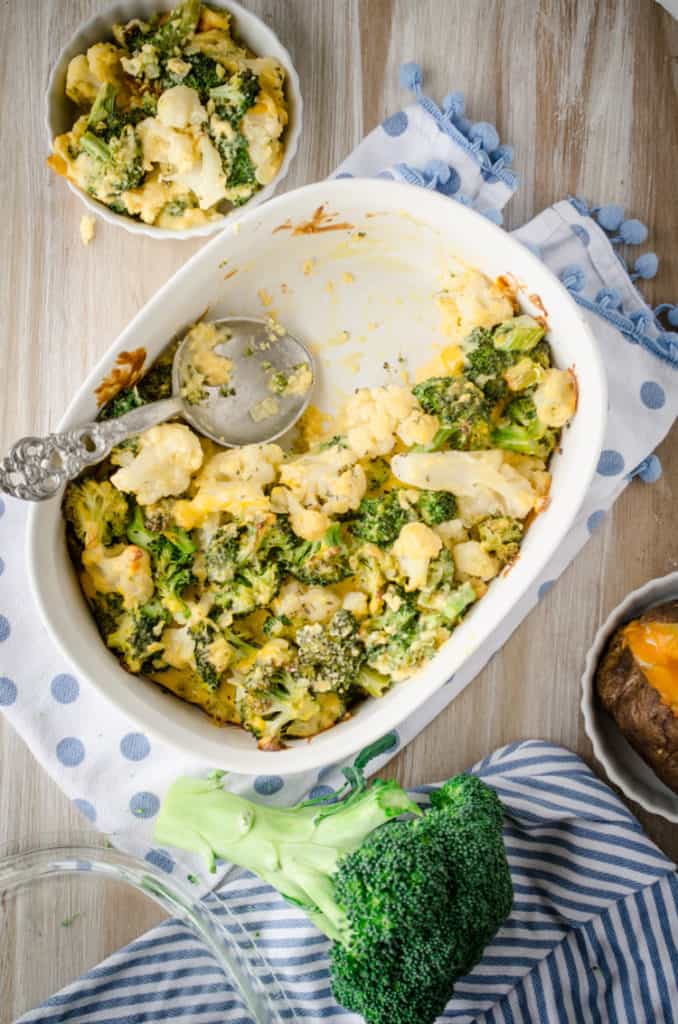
[(330, 657), (138, 637), (379, 520), (462, 409), (322, 561), (501, 536), (409, 903), (232, 99), (96, 512), (436, 507), (520, 430)]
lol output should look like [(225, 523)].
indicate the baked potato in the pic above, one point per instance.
[(637, 684)]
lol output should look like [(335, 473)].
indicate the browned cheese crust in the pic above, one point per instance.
[(648, 724)]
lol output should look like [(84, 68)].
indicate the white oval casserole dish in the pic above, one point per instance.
[(363, 259), (61, 112)]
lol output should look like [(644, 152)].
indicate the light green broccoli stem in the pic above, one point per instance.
[(295, 849)]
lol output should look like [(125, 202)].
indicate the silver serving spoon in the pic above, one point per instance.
[(37, 467)]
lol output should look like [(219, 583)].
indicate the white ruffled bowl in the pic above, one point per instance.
[(623, 765), (61, 112)]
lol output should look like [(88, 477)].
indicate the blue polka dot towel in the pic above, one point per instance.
[(115, 775), (592, 937)]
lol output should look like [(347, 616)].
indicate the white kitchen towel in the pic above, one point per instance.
[(116, 775), (592, 935)]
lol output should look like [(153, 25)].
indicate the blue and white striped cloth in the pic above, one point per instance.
[(592, 937)]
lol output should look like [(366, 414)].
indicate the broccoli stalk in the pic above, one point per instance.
[(409, 903)]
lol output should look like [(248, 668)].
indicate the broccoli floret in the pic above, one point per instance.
[(253, 586), (234, 98), (204, 75), (237, 560), (520, 430), (462, 409), (169, 37), (379, 520), (409, 903), (172, 552), (117, 163), (390, 636), (107, 610), (448, 603), (436, 507), (271, 699), (541, 355), (138, 637), (486, 365), (501, 536), (277, 625), (321, 562), (96, 512), (520, 334), (155, 384), (212, 653), (331, 656), (237, 164)]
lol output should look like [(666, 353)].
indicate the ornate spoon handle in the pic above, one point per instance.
[(36, 467)]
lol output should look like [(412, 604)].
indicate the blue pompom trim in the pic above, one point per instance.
[(607, 302), (649, 470), (481, 139)]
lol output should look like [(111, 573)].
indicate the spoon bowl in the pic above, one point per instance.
[(258, 405), (261, 352)]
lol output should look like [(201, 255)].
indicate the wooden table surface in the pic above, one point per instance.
[(586, 91)]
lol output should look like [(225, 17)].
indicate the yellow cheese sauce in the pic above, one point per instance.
[(654, 645)]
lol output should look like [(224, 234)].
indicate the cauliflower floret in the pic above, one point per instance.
[(452, 532), (262, 127), (161, 144), (471, 559), (313, 604), (179, 647), (484, 482), (555, 398), (125, 571), (355, 602), (418, 428), (372, 416), (206, 178), (276, 652), (81, 84), (471, 300), (307, 523), (87, 73), (255, 463), (416, 545), (329, 480), (168, 456), (180, 107), (533, 469)]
